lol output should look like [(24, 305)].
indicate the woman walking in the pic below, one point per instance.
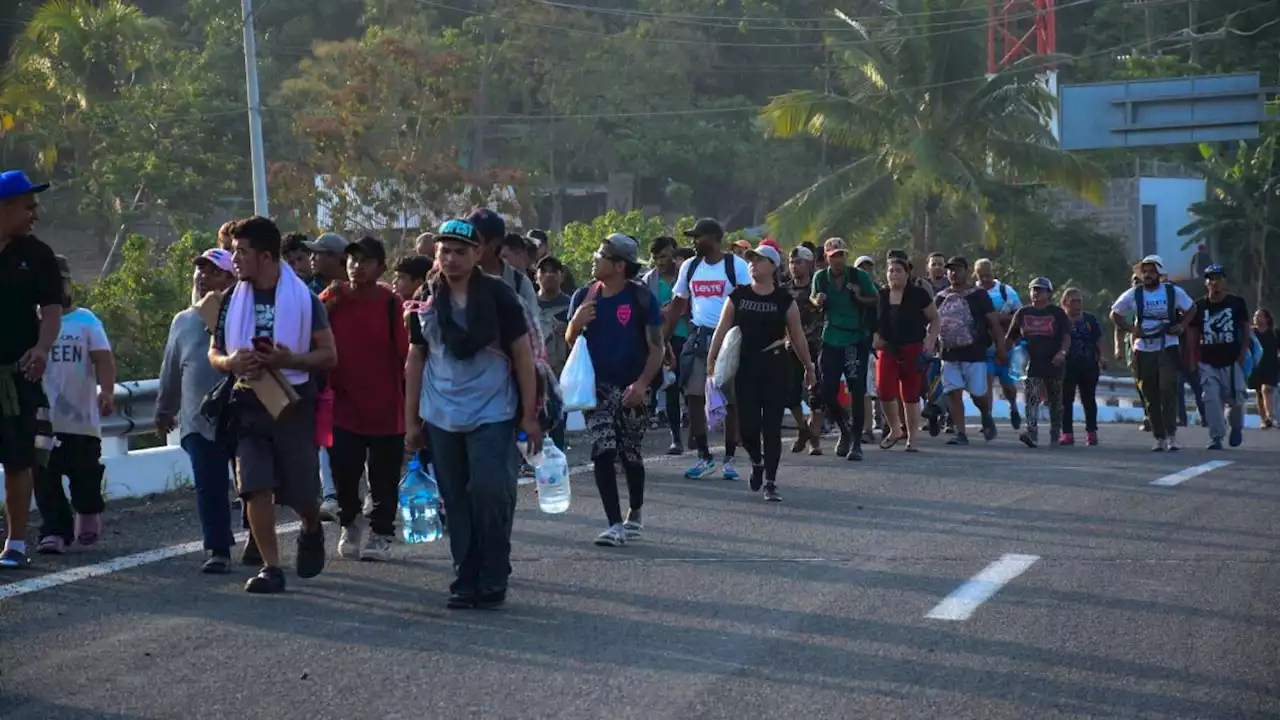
[(1266, 376), (767, 317), (908, 326), (1083, 367)]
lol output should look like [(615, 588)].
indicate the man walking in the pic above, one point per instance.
[(470, 381), (80, 384), (661, 280), (328, 267), (1157, 308), (702, 286), (844, 293), (970, 324), (368, 399), (31, 305), (1005, 300), (271, 321), (1222, 320), (809, 432), (186, 377)]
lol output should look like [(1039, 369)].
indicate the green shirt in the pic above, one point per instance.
[(845, 317), (664, 299)]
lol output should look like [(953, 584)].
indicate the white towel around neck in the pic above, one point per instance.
[(292, 321)]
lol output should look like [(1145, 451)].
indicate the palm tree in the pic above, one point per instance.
[(924, 124), (1243, 209)]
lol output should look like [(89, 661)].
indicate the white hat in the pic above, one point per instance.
[(802, 253), (767, 252), (1153, 260), (863, 259)]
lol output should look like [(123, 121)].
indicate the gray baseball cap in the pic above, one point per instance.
[(329, 243), (623, 247)]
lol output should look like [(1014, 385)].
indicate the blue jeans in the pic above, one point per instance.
[(476, 472), (211, 466)]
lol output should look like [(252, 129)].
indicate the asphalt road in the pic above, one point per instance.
[(1141, 601)]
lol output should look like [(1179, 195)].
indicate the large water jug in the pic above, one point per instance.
[(552, 471), (419, 505)]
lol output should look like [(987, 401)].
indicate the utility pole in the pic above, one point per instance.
[(1191, 28), (256, 153)]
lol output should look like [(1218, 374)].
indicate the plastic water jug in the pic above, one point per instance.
[(552, 471), (419, 505)]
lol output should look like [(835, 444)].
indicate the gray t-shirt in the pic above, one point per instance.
[(461, 395), (186, 375)]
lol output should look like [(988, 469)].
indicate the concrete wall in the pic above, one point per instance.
[(1172, 198), (1117, 215)]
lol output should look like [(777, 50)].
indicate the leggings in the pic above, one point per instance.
[(1037, 391), (1082, 376), (606, 472), (762, 398)]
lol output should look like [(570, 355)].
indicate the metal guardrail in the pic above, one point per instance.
[(135, 409), (136, 403)]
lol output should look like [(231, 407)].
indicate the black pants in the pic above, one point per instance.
[(763, 390), (673, 396), (1082, 377), (79, 459), (384, 455), (850, 363)]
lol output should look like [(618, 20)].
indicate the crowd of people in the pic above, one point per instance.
[(315, 366)]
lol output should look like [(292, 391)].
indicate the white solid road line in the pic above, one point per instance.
[(65, 577), (1184, 475), (962, 603)]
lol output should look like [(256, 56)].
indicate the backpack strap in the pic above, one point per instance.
[(1004, 292), (731, 270), (1171, 304)]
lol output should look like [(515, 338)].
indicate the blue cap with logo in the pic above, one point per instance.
[(488, 223), (1215, 270), (14, 183)]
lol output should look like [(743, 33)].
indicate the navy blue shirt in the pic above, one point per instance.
[(616, 338)]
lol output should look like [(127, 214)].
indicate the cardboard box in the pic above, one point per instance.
[(273, 390)]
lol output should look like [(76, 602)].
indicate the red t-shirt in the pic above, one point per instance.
[(372, 343)]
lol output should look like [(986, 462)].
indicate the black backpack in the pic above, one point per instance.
[(730, 269), (1174, 315)]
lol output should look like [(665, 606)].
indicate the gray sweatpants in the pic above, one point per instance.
[(1223, 386)]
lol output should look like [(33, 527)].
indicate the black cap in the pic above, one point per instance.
[(958, 261), (539, 237), (488, 223), (1215, 269), (897, 253), (705, 226), (367, 247)]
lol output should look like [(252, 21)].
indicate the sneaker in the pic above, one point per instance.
[(1091, 438), (461, 601), (12, 559), (1172, 444), (349, 541), (1235, 438), (1015, 419), (88, 528), (52, 545), (1028, 438), (1268, 424), (251, 555), (932, 416), (771, 493), (815, 448), (614, 536), (491, 599), (959, 439), (1214, 444), (378, 548), (634, 525), (217, 564), (1159, 445), (311, 552), (675, 449), (268, 581), (989, 428), (855, 453), (844, 443), (703, 470), (1067, 440), (757, 477), (729, 471), (329, 509)]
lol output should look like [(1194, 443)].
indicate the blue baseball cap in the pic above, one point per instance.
[(488, 223), (14, 183), (458, 230), (1215, 270)]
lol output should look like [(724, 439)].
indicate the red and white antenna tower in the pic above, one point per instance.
[(1017, 29)]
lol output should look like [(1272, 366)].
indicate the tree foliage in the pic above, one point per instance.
[(575, 245)]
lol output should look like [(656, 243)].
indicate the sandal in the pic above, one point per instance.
[(890, 440)]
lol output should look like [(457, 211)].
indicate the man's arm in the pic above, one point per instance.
[(657, 348), (413, 368), (867, 294), (169, 399)]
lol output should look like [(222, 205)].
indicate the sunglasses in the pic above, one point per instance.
[(602, 255)]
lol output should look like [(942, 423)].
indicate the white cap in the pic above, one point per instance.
[(1153, 260), (802, 253), (767, 252), (863, 259)]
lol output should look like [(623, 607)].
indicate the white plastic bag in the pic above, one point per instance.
[(578, 379), (727, 361)]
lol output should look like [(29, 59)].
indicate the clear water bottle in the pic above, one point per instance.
[(419, 505), (552, 471)]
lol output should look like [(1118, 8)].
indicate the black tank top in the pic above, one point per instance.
[(762, 318)]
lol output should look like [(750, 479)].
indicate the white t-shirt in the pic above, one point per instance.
[(1006, 302), (1155, 313), (709, 287), (69, 380)]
